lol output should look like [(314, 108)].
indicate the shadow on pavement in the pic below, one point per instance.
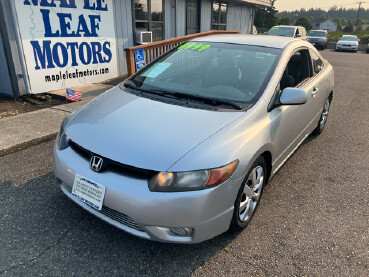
[(43, 231)]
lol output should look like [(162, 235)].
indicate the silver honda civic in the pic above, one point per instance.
[(181, 151)]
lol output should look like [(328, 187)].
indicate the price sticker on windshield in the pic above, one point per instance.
[(199, 47), (275, 28)]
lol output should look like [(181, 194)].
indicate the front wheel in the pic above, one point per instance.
[(323, 117), (249, 195)]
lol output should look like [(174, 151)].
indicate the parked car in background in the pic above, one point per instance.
[(348, 43), (318, 38), (288, 31), (181, 151)]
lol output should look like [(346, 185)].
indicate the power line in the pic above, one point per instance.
[(342, 5)]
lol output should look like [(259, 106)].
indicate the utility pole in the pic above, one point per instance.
[(358, 14)]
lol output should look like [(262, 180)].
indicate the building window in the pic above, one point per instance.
[(219, 16), (149, 17)]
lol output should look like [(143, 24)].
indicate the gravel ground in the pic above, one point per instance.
[(313, 219)]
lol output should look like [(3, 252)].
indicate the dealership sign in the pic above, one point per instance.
[(67, 42)]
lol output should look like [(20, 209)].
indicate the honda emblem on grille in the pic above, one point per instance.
[(96, 163)]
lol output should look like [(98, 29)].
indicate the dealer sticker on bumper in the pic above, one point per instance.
[(88, 192)]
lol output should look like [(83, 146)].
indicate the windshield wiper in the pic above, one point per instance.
[(131, 85), (180, 95), (213, 101)]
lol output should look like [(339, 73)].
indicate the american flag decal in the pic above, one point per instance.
[(73, 95)]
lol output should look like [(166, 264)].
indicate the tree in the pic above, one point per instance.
[(266, 17), (305, 22), (323, 17), (284, 20), (338, 21), (343, 21)]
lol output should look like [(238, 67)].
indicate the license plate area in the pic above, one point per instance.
[(88, 192)]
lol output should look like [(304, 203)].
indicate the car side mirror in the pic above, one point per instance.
[(293, 96)]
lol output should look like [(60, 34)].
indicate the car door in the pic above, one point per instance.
[(321, 84), (290, 125)]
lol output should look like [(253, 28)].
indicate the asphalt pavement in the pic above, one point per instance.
[(313, 219)]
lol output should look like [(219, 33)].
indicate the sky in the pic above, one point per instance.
[(291, 5)]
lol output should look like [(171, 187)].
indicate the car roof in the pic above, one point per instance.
[(289, 26), (349, 36), (256, 40), (319, 31)]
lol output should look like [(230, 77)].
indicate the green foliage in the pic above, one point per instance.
[(362, 35), (285, 20), (334, 12), (323, 17), (266, 17), (305, 22)]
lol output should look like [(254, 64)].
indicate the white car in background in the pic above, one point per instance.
[(348, 43)]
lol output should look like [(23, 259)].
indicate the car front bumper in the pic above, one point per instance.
[(347, 47), (130, 206), (318, 43)]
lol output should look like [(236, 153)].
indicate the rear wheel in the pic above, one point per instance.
[(249, 195)]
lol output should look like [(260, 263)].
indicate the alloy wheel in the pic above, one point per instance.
[(251, 194), (324, 117)]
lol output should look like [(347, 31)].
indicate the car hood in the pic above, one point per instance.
[(141, 132)]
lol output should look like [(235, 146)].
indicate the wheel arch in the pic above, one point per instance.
[(267, 155)]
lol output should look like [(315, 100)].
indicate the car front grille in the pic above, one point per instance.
[(113, 214), (113, 165)]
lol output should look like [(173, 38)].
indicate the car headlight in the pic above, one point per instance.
[(62, 139), (192, 180)]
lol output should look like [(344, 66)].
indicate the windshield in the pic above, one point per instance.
[(349, 38), (316, 34), (282, 31), (232, 72)]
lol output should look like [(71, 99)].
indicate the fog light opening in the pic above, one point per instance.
[(181, 231)]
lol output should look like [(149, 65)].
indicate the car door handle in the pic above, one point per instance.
[(315, 90)]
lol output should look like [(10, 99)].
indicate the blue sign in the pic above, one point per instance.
[(140, 58)]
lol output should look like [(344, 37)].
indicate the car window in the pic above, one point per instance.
[(297, 32), (297, 70), (317, 62), (349, 38), (214, 70), (316, 34), (281, 31)]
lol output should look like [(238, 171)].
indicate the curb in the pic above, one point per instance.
[(24, 145)]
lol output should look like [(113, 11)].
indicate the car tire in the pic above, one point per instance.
[(323, 117), (249, 195)]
